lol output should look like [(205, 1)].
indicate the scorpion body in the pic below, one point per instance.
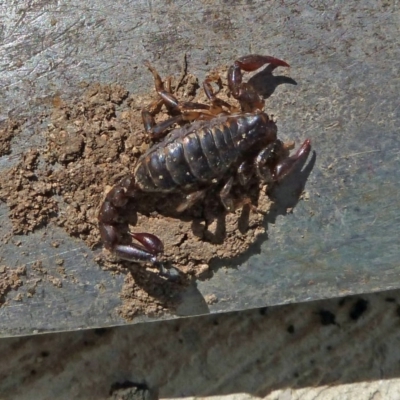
[(203, 151), (219, 145)]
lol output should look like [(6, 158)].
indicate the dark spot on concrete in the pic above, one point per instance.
[(390, 300), (263, 311), (290, 329), (342, 302), (358, 309), (327, 317), (101, 331), (398, 311), (44, 353)]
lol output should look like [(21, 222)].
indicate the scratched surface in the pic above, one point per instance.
[(344, 238)]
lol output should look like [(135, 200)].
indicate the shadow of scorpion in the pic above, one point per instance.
[(220, 144)]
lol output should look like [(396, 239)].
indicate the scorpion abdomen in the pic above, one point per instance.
[(202, 152)]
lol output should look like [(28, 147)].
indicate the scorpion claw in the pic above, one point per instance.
[(287, 165), (254, 61), (244, 92)]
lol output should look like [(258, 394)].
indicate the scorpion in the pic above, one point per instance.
[(216, 144)]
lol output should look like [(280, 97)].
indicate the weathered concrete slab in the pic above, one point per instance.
[(345, 59)]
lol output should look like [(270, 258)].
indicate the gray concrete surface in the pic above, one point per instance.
[(345, 59)]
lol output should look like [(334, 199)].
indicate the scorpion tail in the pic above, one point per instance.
[(149, 246)]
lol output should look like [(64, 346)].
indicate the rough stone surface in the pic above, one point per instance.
[(345, 60)]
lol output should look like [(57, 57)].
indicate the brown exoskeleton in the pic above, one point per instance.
[(218, 146)]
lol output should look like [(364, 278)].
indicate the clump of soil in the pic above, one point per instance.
[(10, 279), (7, 132), (29, 195), (92, 143)]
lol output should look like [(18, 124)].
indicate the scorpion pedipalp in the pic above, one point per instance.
[(284, 167), (244, 92)]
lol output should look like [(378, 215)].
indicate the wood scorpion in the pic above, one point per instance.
[(219, 145)]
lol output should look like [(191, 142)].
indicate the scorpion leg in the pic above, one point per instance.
[(150, 245), (226, 197), (191, 199), (218, 105), (158, 130), (229, 202), (247, 96), (154, 130), (245, 172), (190, 111)]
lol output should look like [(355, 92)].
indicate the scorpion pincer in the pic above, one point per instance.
[(219, 145)]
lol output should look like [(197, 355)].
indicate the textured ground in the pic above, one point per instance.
[(335, 349)]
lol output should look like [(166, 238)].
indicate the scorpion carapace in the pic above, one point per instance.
[(219, 145)]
